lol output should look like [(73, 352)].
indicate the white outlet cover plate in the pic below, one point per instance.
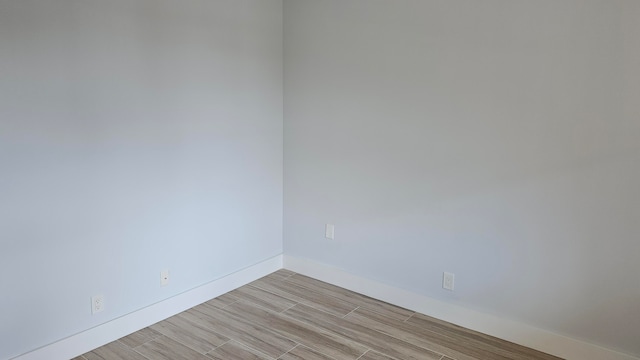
[(448, 280), (97, 304)]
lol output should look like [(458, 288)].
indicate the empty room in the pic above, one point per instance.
[(319, 179)]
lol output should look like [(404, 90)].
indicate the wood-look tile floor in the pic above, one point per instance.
[(288, 316)]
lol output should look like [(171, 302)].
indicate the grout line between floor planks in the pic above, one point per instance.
[(407, 319), (302, 345), (226, 342), (139, 353), (282, 312), (187, 346), (363, 354), (290, 350), (225, 306), (350, 312), (254, 351)]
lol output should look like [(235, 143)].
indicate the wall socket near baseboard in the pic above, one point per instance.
[(448, 280)]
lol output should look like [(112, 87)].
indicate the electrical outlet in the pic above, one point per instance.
[(164, 277), (97, 304), (447, 281), (329, 231)]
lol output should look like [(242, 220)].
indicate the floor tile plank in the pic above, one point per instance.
[(372, 339), (302, 352), (378, 306), (114, 351), (222, 301), (233, 350), (246, 332), (164, 348), (372, 355), (330, 344), (445, 344), (281, 274), (190, 331), (263, 298), (304, 295), (140, 337), (477, 339)]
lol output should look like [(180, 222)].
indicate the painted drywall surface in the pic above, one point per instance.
[(498, 140), (135, 136)]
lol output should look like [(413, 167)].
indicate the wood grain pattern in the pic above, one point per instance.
[(281, 274), (164, 348), (247, 332), (392, 311), (288, 316), (114, 351), (372, 355), (301, 352), (221, 301), (297, 293), (326, 343), (475, 338), (140, 337), (446, 344), (190, 331), (263, 298), (372, 339), (233, 350)]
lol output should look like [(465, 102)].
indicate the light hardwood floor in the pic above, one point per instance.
[(288, 316)]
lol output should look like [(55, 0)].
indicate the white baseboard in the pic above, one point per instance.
[(513, 331), (78, 344), (519, 333)]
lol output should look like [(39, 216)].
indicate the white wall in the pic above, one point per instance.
[(498, 140), (493, 139), (134, 136)]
